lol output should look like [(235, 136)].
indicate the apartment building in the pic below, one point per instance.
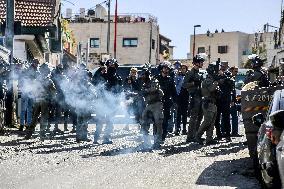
[(233, 47), (138, 38)]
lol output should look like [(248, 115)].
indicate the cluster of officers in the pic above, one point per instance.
[(175, 93)]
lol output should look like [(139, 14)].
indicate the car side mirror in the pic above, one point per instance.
[(277, 119), (258, 119)]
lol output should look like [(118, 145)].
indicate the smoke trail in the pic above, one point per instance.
[(78, 92)]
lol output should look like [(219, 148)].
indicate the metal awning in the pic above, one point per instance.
[(35, 49)]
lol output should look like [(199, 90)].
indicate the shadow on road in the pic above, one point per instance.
[(231, 173), (216, 150)]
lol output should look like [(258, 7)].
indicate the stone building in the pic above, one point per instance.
[(138, 37), (233, 47)]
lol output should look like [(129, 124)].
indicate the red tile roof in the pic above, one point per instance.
[(31, 12)]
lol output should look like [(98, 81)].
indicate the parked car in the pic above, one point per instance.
[(277, 120), (266, 148)]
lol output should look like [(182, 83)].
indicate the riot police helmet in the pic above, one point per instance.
[(145, 72), (198, 59), (256, 61), (111, 62), (211, 69), (166, 64)]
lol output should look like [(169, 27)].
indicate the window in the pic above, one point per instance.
[(130, 42), (222, 49), (201, 50), (153, 44), (94, 43)]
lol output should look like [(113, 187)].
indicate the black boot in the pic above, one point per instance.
[(29, 134), (21, 128)]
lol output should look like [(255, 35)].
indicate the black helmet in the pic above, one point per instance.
[(211, 68), (165, 64), (111, 61), (198, 59), (145, 72), (256, 62)]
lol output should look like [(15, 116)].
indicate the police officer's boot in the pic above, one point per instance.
[(177, 131), (73, 129), (21, 128), (65, 127), (29, 133)]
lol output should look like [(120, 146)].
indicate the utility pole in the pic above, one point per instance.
[(108, 29), (115, 29), (9, 37), (151, 36), (9, 31)]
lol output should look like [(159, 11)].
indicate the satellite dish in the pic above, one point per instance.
[(100, 12)]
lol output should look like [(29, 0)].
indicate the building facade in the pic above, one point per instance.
[(137, 41), (233, 47)]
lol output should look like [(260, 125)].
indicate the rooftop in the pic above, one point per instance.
[(31, 12), (122, 18)]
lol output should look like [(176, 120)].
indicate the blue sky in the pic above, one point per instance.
[(177, 18)]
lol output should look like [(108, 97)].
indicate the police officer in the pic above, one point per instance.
[(209, 94), (83, 114), (113, 84), (233, 109), (154, 109), (192, 82), (4, 74), (168, 87), (44, 89), (226, 84), (251, 130), (258, 74), (60, 105), (132, 87)]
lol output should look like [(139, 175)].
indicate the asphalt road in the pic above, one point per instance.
[(63, 163)]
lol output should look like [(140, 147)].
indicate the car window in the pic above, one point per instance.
[(277, 103)]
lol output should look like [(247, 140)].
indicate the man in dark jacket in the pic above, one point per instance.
[(43, 90), (168, 87)]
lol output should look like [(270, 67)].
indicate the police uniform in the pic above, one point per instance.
[(208, 90), (44, 89), (226, 85), (251, 130), (192, 82), (154, 109), (113, 84), (168, 87)]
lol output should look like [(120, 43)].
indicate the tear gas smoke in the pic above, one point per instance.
[(78, 92)]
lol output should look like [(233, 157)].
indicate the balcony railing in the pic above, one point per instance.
[(122, 18)]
